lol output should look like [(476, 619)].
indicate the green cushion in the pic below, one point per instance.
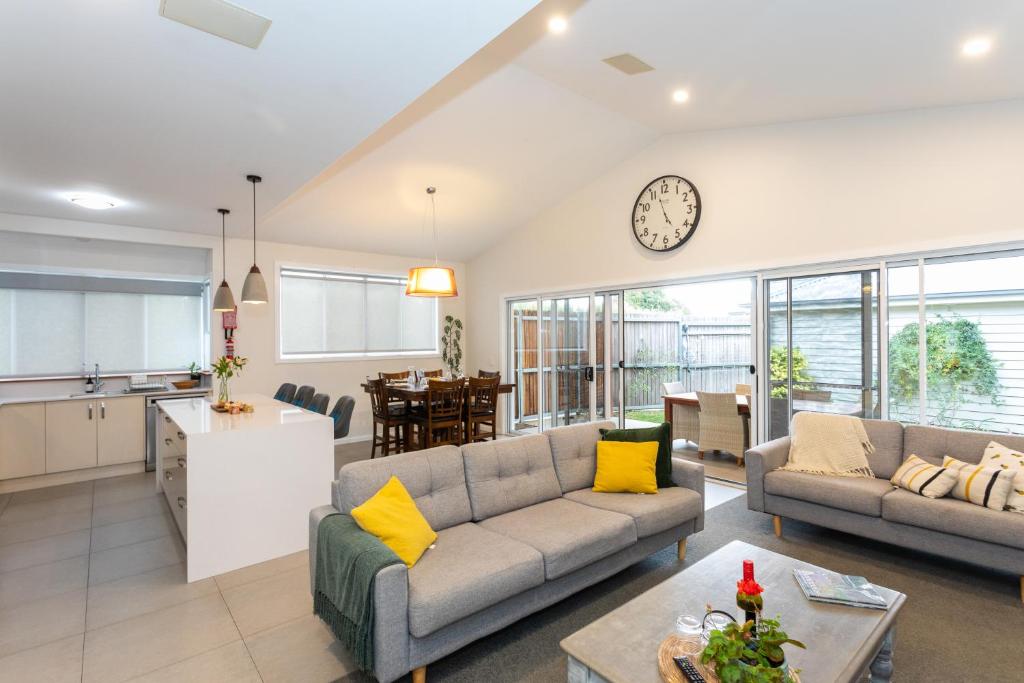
[(662, 434)]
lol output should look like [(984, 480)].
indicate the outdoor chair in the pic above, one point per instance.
[(722, 428)]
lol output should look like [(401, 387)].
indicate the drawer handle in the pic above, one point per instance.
[(167, 441), (168, 476), (181, 436), (181, 462), (167, 419), (90, 411), (103, 411), (181, 502)]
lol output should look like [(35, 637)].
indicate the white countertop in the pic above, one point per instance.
[(195, 416), (197, 391)]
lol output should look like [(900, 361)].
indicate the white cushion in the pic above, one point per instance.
[(985, 486), (924, 478), (998, 455)]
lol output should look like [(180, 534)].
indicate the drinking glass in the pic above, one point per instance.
[(689, 629)]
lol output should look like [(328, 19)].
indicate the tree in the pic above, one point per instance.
[(651, 300), (779, 369), (958, 365)]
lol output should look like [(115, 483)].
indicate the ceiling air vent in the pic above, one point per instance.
[(628, 64), (219, 18)]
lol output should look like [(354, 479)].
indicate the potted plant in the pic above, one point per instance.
[(225, 368), (193, 371), (750, 653)]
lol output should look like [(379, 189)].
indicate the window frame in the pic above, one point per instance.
[(342, 272)]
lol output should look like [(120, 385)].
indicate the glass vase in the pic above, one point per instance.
[(223, 391)]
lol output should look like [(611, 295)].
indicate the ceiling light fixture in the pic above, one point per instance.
[(680, 96), (976, 47), (93, 201), (432, 280), (558, 24), (224, 300), (254, 291)]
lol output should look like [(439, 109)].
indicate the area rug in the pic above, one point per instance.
[(960, 622)]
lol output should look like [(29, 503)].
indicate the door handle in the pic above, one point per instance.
[(103, 411), (90, 411), (753, 370), (588, 373)]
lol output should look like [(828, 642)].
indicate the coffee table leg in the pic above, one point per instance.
[(881, 668)]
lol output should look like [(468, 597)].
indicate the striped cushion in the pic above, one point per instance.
[(998, 455), (985, 486), (924, 478)]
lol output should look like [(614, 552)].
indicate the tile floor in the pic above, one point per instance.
[(92, 588)]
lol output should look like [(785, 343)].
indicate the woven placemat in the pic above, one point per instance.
[(675, 646)]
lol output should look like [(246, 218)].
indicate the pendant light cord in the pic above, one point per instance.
[(223, 249), (433, 220), (254, 222)]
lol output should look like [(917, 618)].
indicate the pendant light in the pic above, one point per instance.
[(254, 291), (432, 280), (224, 300)]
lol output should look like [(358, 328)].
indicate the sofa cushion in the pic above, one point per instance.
[(887, 438), (574, 449), (651, 513), (934, 443), (956, 517), (862, 495), (569, 535), (509, 474), (435, 479), (662, 434), (469, 568)]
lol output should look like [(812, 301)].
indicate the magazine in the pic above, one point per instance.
[(822, 585)]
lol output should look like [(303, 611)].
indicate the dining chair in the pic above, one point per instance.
[(388, 418), (318, 404), (673, 388), (303, 396), (440, 421), (481, 408), (489, 373), (341, 413), (433, 373), (285, 392), (744, 390), (393, 376), (722, 427)]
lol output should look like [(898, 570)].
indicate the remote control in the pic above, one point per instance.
[(689, 670)]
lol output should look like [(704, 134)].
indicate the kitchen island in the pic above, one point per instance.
[(240, 487)]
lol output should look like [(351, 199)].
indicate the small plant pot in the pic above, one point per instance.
[(195, 376), (751, 671)]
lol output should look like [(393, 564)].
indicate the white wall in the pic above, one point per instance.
[(255, 337), (772, 196)]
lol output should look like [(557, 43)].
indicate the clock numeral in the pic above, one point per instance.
[(686, 195), (689, 208), (646, 206), (664, 188), (643, 219), (665, 241), (651, 192), (655, 239), (677, 233), (645, 232)]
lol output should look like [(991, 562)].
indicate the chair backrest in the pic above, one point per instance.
[(673, 388), (378, 390), (482, 394), (392, 376), (489, 373), (318, 404), (285, 392), (303, 396), (444, 400), (433, 373), (744, 389), (342, 416), (717, 405)]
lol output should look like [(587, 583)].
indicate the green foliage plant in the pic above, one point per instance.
[(651, 300), (749, 653), (779, 367)]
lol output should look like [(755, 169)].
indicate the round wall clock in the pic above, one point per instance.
[(666, 213)]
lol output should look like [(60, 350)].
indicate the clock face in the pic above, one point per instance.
[(666, 213)]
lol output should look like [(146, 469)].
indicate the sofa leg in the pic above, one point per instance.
[(777, 525), (1022, 589), (419, 675), (681, 551), (700, 455)]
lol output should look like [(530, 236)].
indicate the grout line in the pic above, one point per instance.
[(7, 548), (88, 566), (244, 644)]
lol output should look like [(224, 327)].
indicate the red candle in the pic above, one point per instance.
[(748, 570)]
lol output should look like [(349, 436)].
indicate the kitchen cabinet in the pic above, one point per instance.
[(70, 435), (22, 440), (120, 430)]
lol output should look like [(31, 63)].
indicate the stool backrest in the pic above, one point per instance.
[(342, 416), (285, 392), (318, 404), (303, 396)]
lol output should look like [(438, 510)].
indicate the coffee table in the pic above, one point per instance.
[(842, 642)]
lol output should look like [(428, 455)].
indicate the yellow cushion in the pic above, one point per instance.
[(392, 516), (626, 467)]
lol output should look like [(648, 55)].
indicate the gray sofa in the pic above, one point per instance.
[(875, 509), (518, 529)]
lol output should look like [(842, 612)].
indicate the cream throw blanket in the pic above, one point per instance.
[(835, 445)]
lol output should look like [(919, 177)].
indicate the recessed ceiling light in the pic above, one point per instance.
[(93, 201), (557, 24), (680, 96), (976, 47)]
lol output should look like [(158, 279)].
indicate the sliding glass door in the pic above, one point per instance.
[(822, 346), (567, 374)]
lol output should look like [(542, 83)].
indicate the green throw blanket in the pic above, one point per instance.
[(347, 562)]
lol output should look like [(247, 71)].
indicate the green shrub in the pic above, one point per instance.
[(779, 369)]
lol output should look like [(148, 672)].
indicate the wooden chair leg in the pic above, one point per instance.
[(700, 455), (373, 447), (419, 675), (681, 549), (1022, 589), (777, 525)]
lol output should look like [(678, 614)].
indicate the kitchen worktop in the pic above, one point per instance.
[(194, 415), (158, 393)]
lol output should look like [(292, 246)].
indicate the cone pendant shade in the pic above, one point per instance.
[(254, 291), (223, 300), (431, 281)]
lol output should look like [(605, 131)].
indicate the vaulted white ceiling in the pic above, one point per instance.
[(347, 111)]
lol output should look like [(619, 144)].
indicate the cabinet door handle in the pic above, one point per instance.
[(181, 462), (167, 441), (181, 502), (167, 419), (167, 475), (90, 411), (103, 411), (181, 436)]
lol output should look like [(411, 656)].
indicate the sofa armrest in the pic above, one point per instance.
[(690, 475), (316, 515), (761, 460)]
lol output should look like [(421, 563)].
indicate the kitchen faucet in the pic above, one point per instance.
[(97, 382)]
